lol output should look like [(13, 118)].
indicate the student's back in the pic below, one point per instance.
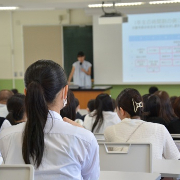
[(103, 115), (57, 149)]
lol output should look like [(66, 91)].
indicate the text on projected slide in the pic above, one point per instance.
[(151, 48)]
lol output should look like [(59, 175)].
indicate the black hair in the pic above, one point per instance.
[(76, 102), (127, 100), (153, 106), (69, 110), (103, 102), (43, 81), (153, 89), (80, 54), (16, 108), (15, 91), (91, 105), (145, 98)]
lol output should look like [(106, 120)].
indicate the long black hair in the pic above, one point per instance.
[(43, 81), (103, 102), (16, 108)]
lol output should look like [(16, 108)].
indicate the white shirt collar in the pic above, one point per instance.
[(54, 115)]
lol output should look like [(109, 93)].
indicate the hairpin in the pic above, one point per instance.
[(136, 105)]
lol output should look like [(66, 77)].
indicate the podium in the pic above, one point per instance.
[(84, 95)]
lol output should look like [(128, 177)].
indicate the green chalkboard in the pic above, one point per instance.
[(75, 39)]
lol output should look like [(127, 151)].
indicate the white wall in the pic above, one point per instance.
[(11, 34)]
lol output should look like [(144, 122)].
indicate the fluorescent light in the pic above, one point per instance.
[(8, 8), (164, 2), (129, 4), (116, 4)]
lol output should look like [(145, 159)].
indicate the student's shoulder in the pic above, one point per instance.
[(75, 63), (10, 131)]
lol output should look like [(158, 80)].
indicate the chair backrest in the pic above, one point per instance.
[(176, 136), (17, 172), (131, 157), (99, 137)]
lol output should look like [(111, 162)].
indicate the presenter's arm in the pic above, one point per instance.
[(71, 74), (87, 72)]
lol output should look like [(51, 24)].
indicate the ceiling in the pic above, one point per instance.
[(83, 4)]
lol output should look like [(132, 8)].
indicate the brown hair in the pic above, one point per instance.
[(176, 106), (167, 112)]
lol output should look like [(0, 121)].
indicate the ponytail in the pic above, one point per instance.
[(43, 81), (37, 111)]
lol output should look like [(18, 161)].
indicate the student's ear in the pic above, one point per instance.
[(25, 91), (65, 91), (122, 111)]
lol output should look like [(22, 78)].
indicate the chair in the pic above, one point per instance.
[(99, 137), (137, 158), (16, 172), (175, 136)]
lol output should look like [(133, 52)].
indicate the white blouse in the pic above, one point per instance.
[(110, 118), (70, 152), (163, 145)]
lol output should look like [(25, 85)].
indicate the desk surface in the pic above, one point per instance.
[(167, 168), (117, 175)]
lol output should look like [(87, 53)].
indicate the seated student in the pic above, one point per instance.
[(91, 106), (132, 129), (153, 89), (57, 149), (174, 126), (167, 111), (154, 109), (4, 96), (16, 109), (69, 110), (15, 91), (78, 114), (103, 115)]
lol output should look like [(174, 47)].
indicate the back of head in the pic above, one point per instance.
[(15, 91), (43, 79), (103, 102), (167, 112), (153, 106), (91, 105), (173, 99), (5, 95), (69, 110), (153, 89), (130, 101), (76, 102), (176, 107), (16, 108)]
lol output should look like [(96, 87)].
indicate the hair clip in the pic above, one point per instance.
[(136, 105)]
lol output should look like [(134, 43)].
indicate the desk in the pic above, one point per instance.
[(84, 95), (117, 175), (167, 168)]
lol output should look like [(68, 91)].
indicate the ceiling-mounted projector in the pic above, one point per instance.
[(113, 18)]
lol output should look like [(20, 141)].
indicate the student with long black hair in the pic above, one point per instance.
[(103, 115), (57, 149)]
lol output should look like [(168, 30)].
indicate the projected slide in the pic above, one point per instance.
[(151, 48)]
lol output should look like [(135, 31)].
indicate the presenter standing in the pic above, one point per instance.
[(81, 72)]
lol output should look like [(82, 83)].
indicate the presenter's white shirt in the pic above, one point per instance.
[(79, 77), (163, 145), (3, 110), (110, 118), (71, 153)]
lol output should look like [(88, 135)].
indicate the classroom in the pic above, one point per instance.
[(132, 101)]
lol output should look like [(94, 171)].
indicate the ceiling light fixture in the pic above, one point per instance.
[(116, 4), (164, 2), (8, 8)]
